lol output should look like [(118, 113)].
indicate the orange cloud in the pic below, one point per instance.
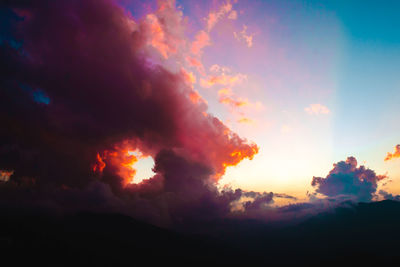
[(236, 156), (225, 91), (243, 36), (223, 79), (5, 175), (189, 77), (122, 159), (396, 153), (221, 76), (195, 97), (245, 120), (99, 165), (229, 100), (317, 109), (227, 97)]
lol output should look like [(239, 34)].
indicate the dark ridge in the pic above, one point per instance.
[(364, 233)]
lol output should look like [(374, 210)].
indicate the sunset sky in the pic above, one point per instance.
[(179, 111), (250, 132), (319, 82)]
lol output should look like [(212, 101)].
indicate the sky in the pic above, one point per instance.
[(340, 58), (174, 111)]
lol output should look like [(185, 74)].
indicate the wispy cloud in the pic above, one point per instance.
[(214, 16), (317, 109), (244, 36), (222, 76), (226, 96)]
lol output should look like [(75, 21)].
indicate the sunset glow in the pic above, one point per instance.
[(247, 104), (199, 133)]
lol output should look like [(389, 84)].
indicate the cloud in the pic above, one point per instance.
[(233, 15), (222, 76), (202, 40), (5, 175), (227, 97), (229, 100), (280, 195), (196, 63), (389, 196), (109, 95), (243, 36), (215, 16), (223, 79), (317, 109), (162, 30), (346, 180), (396, 153), (245, 120), (259, 200)]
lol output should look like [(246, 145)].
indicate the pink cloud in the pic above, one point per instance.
[(214, 17), (202, 40), (244, 36)]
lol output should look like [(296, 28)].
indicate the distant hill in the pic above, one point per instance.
[(364, 233)]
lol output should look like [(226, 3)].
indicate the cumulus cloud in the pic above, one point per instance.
[(108, 95), (396, 153), (317, 109), (346, 180)]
